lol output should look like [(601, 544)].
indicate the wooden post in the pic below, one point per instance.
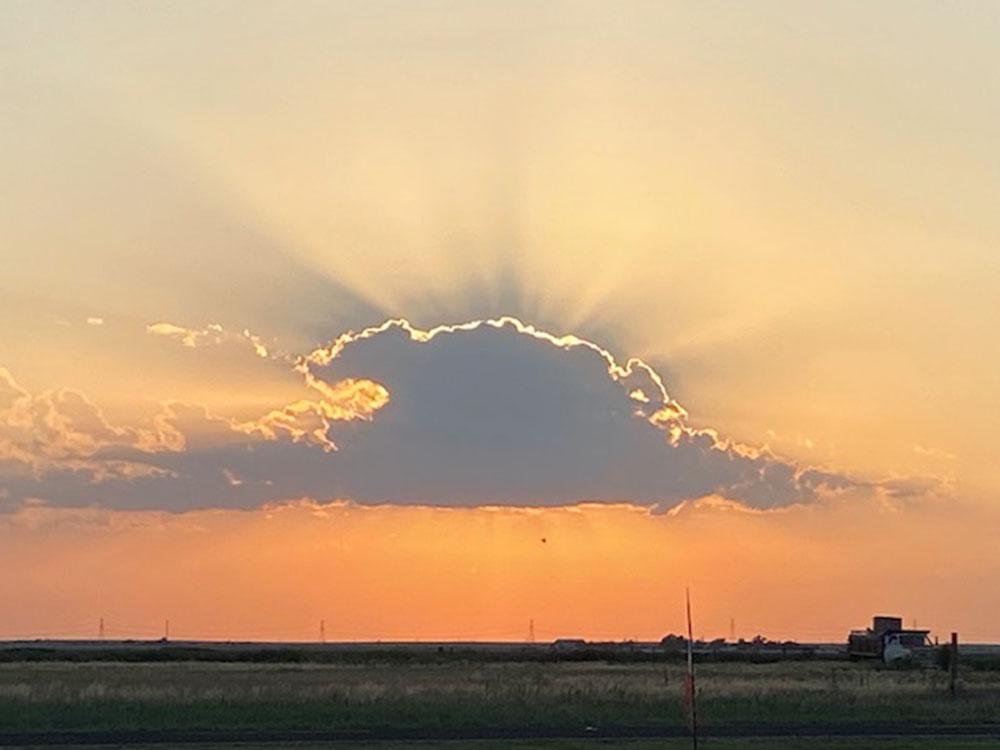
[(690, 690), (953, 666)]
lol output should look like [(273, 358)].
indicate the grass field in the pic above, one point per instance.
[(44, 696)]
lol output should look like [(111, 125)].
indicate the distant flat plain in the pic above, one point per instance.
[(431, 694)]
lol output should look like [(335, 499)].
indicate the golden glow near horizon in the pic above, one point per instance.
[(786, 213), (602, 572)]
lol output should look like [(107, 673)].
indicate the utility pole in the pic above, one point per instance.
[(322, 631), (100, 629), (531, 631), (166, 630), (732, 630)]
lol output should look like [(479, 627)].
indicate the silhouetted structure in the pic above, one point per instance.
[(887, 640), (569, 644)]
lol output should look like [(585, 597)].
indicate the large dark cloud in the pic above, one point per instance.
[(492, 415)]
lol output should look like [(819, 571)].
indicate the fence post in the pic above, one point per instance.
[(953, 666)]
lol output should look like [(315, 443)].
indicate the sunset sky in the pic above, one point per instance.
[(433, 319)]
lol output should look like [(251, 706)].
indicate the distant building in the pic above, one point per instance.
[(569, 644), (673, 642)]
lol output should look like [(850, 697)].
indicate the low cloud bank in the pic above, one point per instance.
[(485, 413)]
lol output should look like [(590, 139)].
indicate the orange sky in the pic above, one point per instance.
[(788, 212), (807, 572)]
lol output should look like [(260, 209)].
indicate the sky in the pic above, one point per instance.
[(492, 313)]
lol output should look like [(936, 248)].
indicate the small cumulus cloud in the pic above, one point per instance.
[(935, 453), (59, 430), (215, 334), (95, 321), (190, 337)]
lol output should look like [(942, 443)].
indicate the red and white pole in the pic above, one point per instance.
[(690, 694)]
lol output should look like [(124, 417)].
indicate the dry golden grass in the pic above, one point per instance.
[(329, 695)]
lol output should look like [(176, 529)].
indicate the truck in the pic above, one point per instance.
[(889, 642)]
